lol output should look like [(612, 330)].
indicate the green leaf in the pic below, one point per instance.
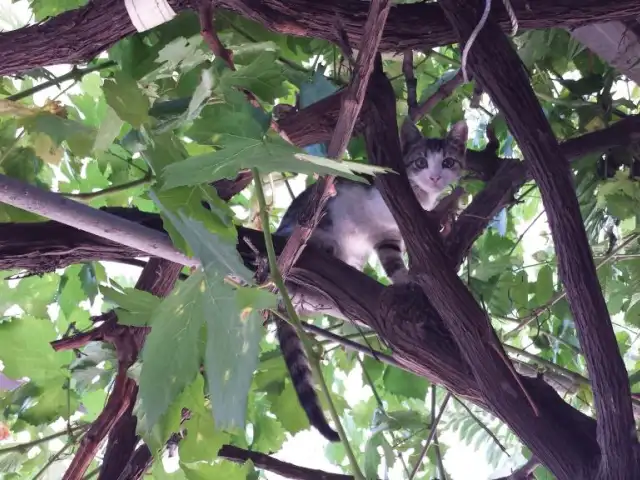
[(372, 458), (32, 294), (203, 440), (137, 306), (78, 136), (71, 292), (188, 201), (288, 411), (263, 77), (232, 351), (268, 434), (108, 131), (125, 97), (26, 352), (544, 285), (56, 401), (405, 384), (269, 154), (171, 354), (236, 117), (632, 315), (224, 470), (520, 290)]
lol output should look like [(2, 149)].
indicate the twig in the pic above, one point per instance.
[(560, 295), (56, 207), (74, 74), (295, 321), (411, 82), (436, 445), (432, 432), (25, 447), (109, 190), (211, 38), (483, 426), (54, 458), (350, 344), (443, 91)]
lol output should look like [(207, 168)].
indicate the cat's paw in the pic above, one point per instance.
[(401, 277)]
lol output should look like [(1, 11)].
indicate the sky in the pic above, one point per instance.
[(305, 448)]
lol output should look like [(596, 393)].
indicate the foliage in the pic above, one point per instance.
[(153, 130)]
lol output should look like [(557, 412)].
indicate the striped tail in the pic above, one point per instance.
[(300, 371)]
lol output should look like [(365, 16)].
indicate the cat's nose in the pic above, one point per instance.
[(435, 179)]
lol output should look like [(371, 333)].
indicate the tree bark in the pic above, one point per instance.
[(79, 35), (496, 65)]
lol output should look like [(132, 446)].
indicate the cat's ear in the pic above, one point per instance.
[(409, 133), (458, 133)]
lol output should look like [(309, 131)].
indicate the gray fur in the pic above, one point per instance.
[(358, 223)]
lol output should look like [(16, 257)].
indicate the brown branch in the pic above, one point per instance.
[(79, 35), (351, 104), (467, 323), (142, 457), (287, 470), (116, 406), (499, 70), (512, 174), (406, 320), (158, 278), (443, 91)]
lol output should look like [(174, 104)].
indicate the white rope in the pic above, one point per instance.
[(483, 20)]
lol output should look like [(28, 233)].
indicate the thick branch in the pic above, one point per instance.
[(79, 35), (499, 70), (470, 328), (409, 323), (56, 207)]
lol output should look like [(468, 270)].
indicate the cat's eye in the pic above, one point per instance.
[(421, 162), (448, 162)]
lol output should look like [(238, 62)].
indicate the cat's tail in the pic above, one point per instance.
[(300, 371)]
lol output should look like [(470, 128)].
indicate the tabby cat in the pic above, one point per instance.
[(356, 223)]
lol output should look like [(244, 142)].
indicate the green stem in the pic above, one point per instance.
[(25, 447), (432, 432), (382, 409), (295, 321), (74, 74), (86, 197), (52, 460)]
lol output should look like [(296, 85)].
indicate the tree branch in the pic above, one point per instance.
[(497, 67), (506, 392), (56, 207), (79, 35)]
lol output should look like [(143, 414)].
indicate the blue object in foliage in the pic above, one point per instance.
[(499, 222)]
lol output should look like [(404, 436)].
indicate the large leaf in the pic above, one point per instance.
[(203, 440), (268, 154), (262, 77), (171, 356), (26, 352), (126, 99)]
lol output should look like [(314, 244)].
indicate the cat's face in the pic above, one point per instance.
[(433, 163)]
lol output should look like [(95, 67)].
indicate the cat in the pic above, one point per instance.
[(358, 223)]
